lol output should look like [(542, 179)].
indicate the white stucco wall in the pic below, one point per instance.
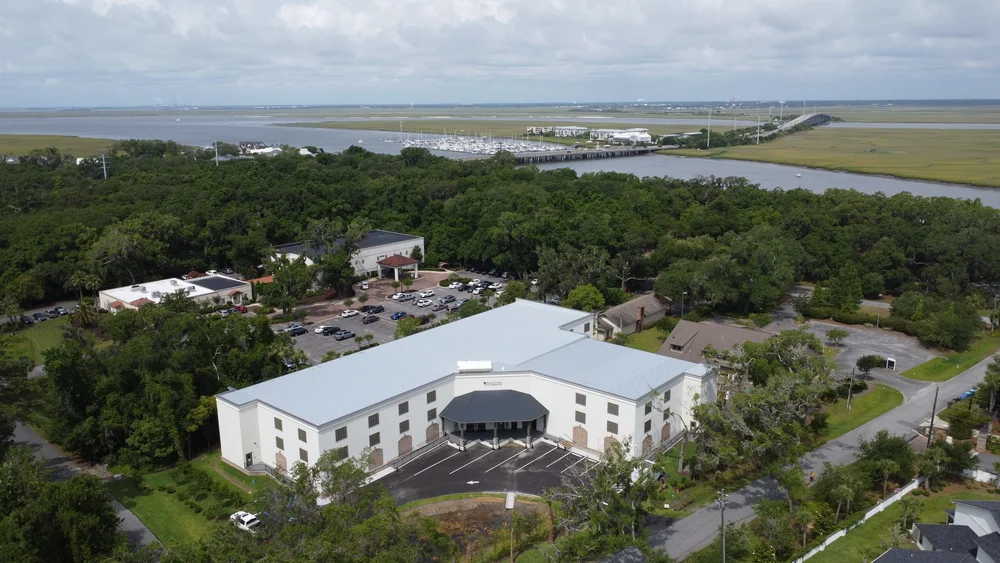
[(979, 519), (366, 258)]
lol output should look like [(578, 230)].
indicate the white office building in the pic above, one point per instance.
[(209, 290), (570, 131), (635, 135), (374, 247), (524, 371)]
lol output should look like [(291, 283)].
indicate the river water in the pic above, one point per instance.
[(203, 130)]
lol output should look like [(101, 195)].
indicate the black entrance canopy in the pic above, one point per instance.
[(493, 406)]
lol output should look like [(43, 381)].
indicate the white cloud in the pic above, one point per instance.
[(384, 51)]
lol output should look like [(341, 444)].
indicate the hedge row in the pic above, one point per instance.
[(898, 324)]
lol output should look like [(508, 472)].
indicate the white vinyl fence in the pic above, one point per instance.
[(980, 475), (879, 508)]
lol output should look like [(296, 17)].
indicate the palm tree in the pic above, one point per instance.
[(885, 468), (78, 281), (910, 507), (86, 314), (991, 383), (843, 492), (802, 518)]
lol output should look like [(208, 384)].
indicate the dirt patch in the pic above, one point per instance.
[(474, 522)]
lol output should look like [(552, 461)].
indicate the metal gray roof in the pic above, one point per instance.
[(607, 367), (512, 335), (949, 537), (502, 405), (372, 239), (990, 544), (900, 555)]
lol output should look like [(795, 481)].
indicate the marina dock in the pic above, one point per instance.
[(584, 154)]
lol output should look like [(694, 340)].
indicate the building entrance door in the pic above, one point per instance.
[(249, 459)]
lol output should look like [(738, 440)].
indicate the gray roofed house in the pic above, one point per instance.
[(689, 340), (627, 555), (945, 537), (983, 516), (900, 555), (989, 548), (633, 315)]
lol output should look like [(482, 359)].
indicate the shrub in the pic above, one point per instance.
[(680, 482), (200, 495), (171, 490), (182, 495), (197, 508)]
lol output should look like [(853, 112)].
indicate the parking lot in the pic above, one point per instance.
[(316, 345), (446, 470)]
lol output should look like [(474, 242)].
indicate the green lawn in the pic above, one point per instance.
[(37, 338), (165, 514), (853, 546), (648, 340), (225, 473), (877, 401), (456, 496), (946, 367), (76, 146)]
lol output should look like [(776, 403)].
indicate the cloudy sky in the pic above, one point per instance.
[(136, 52)]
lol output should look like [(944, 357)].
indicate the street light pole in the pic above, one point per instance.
[(722, 504), (682, 304), (879, 317)]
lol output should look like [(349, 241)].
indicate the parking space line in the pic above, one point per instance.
[(591, 467), (438, 463), (536, 459), (503, 462), (471, 462), (574, 463), (558, 460)]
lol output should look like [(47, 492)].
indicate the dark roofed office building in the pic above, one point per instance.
[(375, 246), (689, 340)]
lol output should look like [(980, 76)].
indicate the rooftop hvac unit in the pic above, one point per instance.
[(156, 295), (475, 366), (173, 282), (135, 288), (190, 289), (142, 288)]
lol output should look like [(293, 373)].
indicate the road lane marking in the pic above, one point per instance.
[(471, 462), (503, 462), (438, 463), (558, 460), (574, 463), (536, 459)]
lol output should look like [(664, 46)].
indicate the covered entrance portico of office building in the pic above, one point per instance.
[(494, 416)]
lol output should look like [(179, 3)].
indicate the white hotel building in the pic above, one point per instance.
[(525, 370)]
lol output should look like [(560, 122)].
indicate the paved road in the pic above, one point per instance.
[(64, 468), (698, 530)]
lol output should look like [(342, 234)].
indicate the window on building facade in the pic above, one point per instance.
[(374, 439), (342, 453), (279, 443), (303, 455), (404, 408), (581, 417), (666, 415), (277, 423), (581, 399), (612, 427), (341, 433), (676, 348), (404, 426), (612, 409), (431, 396), (666, 395), (373, 420), (649, 408), (586, 328), (648, 426), (432, 414), (302, 435)]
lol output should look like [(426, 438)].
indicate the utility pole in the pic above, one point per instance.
[(682, 303), (850, 390), (758, 125), (930, 430), (104, 165), (878, 319), (722, 504)]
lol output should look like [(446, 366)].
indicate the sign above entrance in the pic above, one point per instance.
[(493, 383)]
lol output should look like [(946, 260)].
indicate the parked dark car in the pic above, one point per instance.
[(439, 307), (377, 309), (397, 315), (39, 317), (298, 331), (343, 335), (447, 299), (290, 364), (330, 330), (369, 319), (26, 320), (366, 308)]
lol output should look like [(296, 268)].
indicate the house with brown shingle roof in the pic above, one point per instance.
[(633, 315), (689, 340)]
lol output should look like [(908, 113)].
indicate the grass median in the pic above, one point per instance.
[(945, 367), (878, 400)]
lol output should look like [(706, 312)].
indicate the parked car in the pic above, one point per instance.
[(397, 315), (343, 335), (499, 293), (292, 326), (61, 310), (348, 314), (505, 275), (492, 272), (227, 271), (364, 284), (455, 285), (39, 317), (534, 281), (330, 330), (407, 297), (321, 328), (423, 303), (52, 314), (365, 308), (290, 364), (245, 521), (369, 319), (439, 307), (224, 313), (447, 299), (496, 285), (476, 281), (26, 320), (397, 296), (241, 309), (478, 291), (212, 272), (426, 293), (555, 300), (297, 331), (376, 309)]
